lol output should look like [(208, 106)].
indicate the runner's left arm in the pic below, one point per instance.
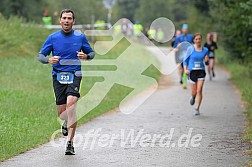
[(86, 48), (215, 45)]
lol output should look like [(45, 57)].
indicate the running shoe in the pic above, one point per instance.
[(196, 112), (64, 128), (192, 100), (70, 148), (213, 74)]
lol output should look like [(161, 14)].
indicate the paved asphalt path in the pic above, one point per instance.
[(212, 139)]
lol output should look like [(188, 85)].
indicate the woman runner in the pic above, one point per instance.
[(194, 67)]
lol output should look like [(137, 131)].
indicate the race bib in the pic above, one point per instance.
[(197, 65), (211, 54), (65, 77)]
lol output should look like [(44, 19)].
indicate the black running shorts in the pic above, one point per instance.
[(61, 91), (196, 75)]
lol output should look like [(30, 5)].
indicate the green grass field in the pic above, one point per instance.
[(27, 107)]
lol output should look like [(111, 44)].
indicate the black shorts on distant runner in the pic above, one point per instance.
[(61, 91), (196, 75)]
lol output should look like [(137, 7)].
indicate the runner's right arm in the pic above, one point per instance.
[(45, 51), (176, 42), (45, 60), (186, 59)]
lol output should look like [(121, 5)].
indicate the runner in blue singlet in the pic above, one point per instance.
[(194, 67)]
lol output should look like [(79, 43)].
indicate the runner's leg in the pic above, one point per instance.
[(180, 73), (212, 63), (194, 89), (72, 116), (209, 69), (61, 114), (184, 80), (199, 87)]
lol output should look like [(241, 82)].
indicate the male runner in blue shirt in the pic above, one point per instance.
[(68, 47), (184, 37)]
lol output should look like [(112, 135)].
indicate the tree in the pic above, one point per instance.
[(246, 19), (150, 10), (33, 10), (180, 10), (235, 25), (84, 9), (127, 8), (202, 6), (30, 10)]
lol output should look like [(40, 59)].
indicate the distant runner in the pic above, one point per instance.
[(211, 46), (68, 46), (194, 67), (178, 33), (184, 37)]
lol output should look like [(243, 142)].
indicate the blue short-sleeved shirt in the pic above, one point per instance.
[(182, 38), (194, 60), (65, 46)]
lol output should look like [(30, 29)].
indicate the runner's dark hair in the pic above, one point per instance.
[(67, 11)]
